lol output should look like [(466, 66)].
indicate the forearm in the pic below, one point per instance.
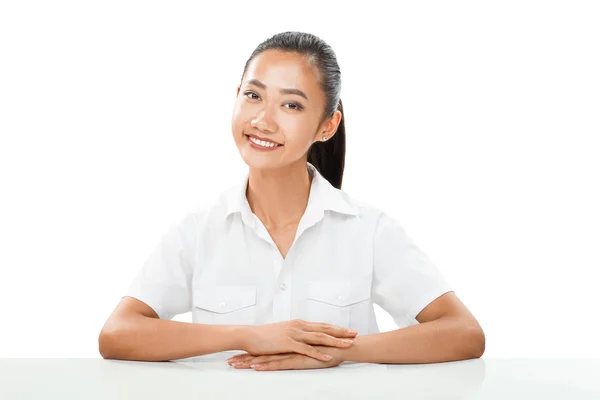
[(143, 338), (445, 339)]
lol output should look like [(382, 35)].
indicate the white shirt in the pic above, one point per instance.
[(221, 264)]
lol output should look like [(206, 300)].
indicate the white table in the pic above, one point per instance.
[(211, 376)]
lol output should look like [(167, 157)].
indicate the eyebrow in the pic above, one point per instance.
[(261, 85)]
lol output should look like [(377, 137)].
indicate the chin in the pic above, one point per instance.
[(262, 164), (256, 160)]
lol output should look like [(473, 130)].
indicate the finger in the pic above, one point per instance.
[(323, 339), (288, 363), (244, 365), (268, 358), (246, 361), (237, 357), (240, 357), (310, 351), (246, 357), (332, 330), (262, 359), (270, 366)]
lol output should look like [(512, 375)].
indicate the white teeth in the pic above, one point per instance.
[(262, 142)]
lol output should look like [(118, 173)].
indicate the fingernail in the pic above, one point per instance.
[(327, 357), (347, 341)]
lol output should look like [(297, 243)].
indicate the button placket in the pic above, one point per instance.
[(282, 296)]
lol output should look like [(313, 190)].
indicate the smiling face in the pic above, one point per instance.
[(279, 100)]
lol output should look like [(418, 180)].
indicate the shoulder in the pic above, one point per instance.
[(207, 214), (366, 211), (381, 221)]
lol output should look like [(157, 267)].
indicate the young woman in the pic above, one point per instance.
[(285, 262)]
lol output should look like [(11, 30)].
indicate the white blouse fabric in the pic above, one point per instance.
[(221, 264)]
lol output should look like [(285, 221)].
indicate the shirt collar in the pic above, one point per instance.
[(323, 196)]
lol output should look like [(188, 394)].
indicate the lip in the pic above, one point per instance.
[(266, 140), (261, 148)]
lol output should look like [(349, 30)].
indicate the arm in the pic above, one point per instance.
[(407, 284), (134, 332), (447, 331)]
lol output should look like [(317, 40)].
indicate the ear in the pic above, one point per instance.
[(328, 127)]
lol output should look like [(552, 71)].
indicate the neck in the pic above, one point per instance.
[(278, 196)]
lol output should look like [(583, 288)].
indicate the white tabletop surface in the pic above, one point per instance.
[(96, 378)]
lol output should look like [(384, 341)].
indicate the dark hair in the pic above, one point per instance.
[(327, 157)]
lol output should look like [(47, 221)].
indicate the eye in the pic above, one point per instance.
[(296, 106), (247, 93)]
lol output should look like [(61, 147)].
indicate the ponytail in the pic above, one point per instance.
[(328, 156)]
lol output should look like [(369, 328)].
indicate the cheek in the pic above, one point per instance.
[(301, 134), (235, 115), (242, 114), (237, 119)]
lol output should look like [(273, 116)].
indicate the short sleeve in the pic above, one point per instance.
[(405, 280), (164, 280)]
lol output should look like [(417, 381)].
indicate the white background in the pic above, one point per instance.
[(475, 124)]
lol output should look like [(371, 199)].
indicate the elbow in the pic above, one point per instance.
[(103, 345), (476, 342), (106, 346)]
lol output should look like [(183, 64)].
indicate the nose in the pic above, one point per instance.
[(264, 122)]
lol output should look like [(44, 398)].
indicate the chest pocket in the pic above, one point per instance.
[(343, 303), (225, 305)]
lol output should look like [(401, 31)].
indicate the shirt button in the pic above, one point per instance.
[(222, 304), (282, 286), (340, 297)]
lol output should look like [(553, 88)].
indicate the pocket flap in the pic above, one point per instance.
[(340, 293), (225, 298)]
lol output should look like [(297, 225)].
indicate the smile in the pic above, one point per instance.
[(261, 144)]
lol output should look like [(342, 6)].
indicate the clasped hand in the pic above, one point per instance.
[(293, 344)]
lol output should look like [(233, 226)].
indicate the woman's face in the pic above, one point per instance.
[(264, 109)]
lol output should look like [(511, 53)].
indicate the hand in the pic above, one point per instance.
[(286, 361), (295, 336)]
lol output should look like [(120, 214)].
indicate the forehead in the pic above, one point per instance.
[(278, 70)]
